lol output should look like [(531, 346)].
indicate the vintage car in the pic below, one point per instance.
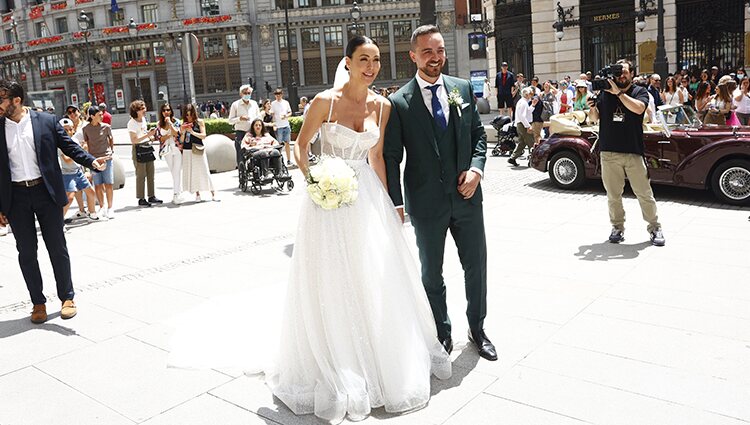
[(679, 151)]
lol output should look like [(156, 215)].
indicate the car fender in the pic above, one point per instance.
[(696, 168), (579, 145)]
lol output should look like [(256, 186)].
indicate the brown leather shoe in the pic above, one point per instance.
[(39, 314), (68, 309)]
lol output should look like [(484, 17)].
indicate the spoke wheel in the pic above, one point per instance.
[(566, 170), (731, 182)]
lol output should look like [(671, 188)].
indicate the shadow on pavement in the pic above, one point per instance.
[(10, 328), (606, 251)]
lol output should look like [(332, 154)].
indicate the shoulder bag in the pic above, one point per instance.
[(144, 153)]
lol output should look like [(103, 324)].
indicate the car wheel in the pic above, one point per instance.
[(566, 170), (731, 182)]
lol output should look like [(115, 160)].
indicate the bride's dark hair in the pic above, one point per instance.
[(356, 41)]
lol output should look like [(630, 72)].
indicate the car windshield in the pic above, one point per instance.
[(678, 116)]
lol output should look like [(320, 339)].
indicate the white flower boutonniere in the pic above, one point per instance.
[(455, 99)]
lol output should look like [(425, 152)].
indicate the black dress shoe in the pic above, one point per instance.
[(143, 203), (155, 200), (447, 344), (484, 345)]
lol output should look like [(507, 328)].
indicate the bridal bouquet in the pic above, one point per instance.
[(332, 183)]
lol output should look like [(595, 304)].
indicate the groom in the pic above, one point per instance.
[(434, 117)]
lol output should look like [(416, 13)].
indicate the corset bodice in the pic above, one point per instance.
[(343, 142)]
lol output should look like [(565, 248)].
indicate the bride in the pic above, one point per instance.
[(357, 331)]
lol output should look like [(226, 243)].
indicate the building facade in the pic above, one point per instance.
[(242, 41), (698, 34)]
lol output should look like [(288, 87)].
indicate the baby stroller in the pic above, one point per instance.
[(506, 135), (256, 171)]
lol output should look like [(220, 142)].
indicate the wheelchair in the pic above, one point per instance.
[(257, 170), (507, 135)]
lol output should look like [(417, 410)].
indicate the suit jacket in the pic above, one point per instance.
[(410, 128), (48, 136), (504, 90)]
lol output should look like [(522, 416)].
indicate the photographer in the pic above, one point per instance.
[(620, 110)]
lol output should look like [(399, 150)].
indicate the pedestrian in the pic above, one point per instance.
[(620, 110), (31, 189), (523, 125), (242, 112), (99, 142), (281, 113), (196, 177), (742, 101), (504, 81), (304, 105), (167, 133), (141, 138), (73, 178), (655, 89), (106, 116), (266, 114)]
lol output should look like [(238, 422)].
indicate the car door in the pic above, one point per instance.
[(661, 153)]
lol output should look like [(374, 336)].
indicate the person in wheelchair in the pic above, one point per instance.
[(263, 149)]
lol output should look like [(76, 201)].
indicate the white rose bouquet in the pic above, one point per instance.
[(332, 183)]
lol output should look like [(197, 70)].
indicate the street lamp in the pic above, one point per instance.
[(356, 13), (564, 19), (83, 24), (182, 65), (293, 100), (133, 31)]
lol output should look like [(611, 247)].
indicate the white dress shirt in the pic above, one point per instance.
[(19, 136), (441, 93), (241, 109), (523, 113)]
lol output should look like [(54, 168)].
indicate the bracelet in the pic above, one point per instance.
[(620, 93)]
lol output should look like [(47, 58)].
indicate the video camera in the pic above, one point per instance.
[(611, 72)]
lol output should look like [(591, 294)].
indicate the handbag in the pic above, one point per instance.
[(144, 153), (714, 116), (197, 148)]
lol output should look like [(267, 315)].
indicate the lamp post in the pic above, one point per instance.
[(83, 24), (355, 12), (182, 65), (133, 31), (564, 19), (293, 99)]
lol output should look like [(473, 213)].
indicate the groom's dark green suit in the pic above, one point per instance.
[(434, 160)]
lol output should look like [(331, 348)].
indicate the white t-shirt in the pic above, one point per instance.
[(139, 128), (673, 99), (281, 108), (743, 106)]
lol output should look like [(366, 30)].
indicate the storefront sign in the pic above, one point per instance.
[(120, 99), (607, 17), (477, 82), (646, 57), (74, 99)]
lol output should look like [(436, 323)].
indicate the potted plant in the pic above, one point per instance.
[(296, 124)]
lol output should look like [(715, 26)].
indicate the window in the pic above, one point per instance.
[(159, 49), (379, 33), (209, 7), (308, 3), (352, 30), (213, 47), (232, 48), (56, 61), (332, 2), (117, 18), (41, 30), (116, 54), (405, 68), (9, 36), (310, 38), (292, 39), (150, 13), (402, 31), (91, 20), (334, 36), (61, 24), (283, 4)]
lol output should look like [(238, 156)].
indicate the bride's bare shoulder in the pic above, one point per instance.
[(328, 95)]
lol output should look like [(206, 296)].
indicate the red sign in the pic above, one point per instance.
[(36, 12), (59, 6), (207, 20), (6, 47), (116, 65), (45, 40)]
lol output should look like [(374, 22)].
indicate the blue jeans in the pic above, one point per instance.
[(104, 177)]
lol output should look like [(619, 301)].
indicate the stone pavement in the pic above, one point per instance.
[(587, 331)]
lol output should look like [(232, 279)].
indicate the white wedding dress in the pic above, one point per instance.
[(357, 331)]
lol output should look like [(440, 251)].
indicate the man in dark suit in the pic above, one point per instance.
[(435, 119), (31, 187), (504, 81)]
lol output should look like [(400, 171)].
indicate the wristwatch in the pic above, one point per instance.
[(620, 93)]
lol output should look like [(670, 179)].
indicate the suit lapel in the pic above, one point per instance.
[(418, 110)]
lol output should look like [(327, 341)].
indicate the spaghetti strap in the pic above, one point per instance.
[(380, 118), (330, 110)]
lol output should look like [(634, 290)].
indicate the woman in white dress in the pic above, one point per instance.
[(357, 331), (168, 130), (196, 177)]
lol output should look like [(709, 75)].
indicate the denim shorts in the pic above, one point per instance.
[(104, 177), (75, 182), (284, 134)]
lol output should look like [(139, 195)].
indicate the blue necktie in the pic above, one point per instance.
[(437, 109)]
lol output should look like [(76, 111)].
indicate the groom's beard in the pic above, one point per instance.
[(433, 71)]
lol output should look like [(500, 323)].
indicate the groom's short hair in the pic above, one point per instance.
[(420, 31)]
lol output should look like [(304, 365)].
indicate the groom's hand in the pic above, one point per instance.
[(400, 212), (468, 182)]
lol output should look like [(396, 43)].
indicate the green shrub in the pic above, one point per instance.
[(213, 126), (295, 123)]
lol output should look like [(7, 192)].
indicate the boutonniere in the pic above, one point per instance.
[(455, 99)]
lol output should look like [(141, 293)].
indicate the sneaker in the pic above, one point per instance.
[(657, 238), (110, 213), (143, 203), (617, 235), (289, 163), (93, 217), (155, 200), (68, 220), (269, 175), (79, 214), (512, 162), (103, 213), (176, 199)]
